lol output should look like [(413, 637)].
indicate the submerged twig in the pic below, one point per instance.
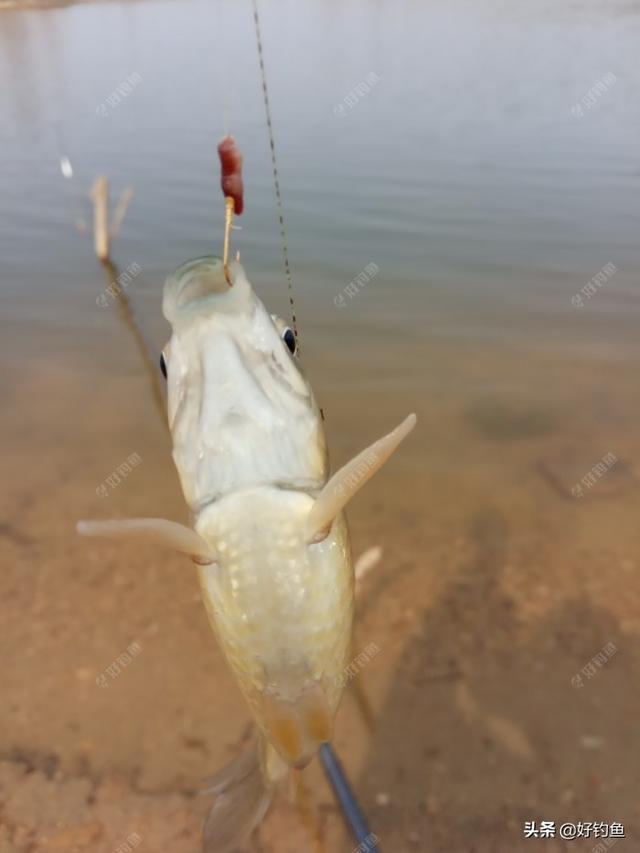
[(105, 231), (101, 236), (120, 211), (128, 317)]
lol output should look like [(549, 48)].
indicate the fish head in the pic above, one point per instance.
[(240, 410)]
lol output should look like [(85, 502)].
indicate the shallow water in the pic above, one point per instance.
[(489, 189)]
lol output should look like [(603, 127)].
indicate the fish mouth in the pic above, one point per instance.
[(200, 286), (200, 279)]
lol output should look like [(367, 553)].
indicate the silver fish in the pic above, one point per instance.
[(269, 535)]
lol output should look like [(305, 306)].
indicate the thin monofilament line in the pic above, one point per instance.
[(276, 181), (222, 70)]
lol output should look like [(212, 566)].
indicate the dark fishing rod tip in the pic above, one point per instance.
[(352, 813)]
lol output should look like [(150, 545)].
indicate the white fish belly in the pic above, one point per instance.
[(282, 609)]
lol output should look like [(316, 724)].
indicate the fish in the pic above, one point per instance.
[(268, 533)]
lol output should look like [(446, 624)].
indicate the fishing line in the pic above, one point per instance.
[(223, 72), (334, 771), (276, 180)]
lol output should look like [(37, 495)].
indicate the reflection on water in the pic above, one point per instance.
[(463, 173)]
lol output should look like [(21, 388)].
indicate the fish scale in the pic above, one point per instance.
[(276, 603)]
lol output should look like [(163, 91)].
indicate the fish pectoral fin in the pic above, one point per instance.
[(337, 493), (158, 531)]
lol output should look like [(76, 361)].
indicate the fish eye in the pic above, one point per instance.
[(289, 338), (163, 365)]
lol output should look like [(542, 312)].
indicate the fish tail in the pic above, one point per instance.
[(244, 790)]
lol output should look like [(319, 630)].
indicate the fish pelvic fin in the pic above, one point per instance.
[(344, 484), (243, 793), (297, 728)]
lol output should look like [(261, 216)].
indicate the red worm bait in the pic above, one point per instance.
[(231, 178)]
